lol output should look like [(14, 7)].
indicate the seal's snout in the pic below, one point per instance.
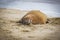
[(25, 21)]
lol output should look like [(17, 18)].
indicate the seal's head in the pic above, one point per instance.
[(26, 21)]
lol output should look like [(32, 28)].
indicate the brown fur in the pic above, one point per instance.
[(36, 17)]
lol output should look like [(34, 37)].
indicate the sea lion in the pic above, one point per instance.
[(34, 17)]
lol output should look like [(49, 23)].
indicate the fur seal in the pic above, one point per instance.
[(34, 17)]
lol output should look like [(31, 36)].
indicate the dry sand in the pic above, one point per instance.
[(10, 30)]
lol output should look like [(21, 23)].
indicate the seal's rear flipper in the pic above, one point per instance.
[(48, 21)]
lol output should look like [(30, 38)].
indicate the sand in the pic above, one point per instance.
[(10, 30)]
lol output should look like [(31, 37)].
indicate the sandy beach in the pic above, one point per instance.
[(10, 30)]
